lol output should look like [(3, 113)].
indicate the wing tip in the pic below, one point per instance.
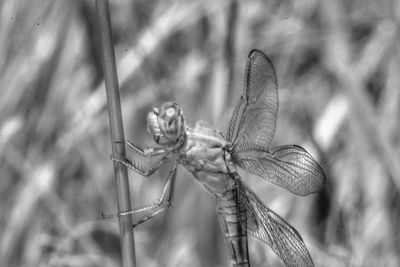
[(255, 52)]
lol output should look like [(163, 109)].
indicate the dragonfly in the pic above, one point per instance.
[(213, 158)]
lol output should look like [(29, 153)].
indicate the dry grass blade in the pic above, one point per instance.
[(117, 134)]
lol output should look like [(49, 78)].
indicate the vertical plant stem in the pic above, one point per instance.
[(117, 134)]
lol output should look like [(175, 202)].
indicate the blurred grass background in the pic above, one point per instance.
[(338, 69)]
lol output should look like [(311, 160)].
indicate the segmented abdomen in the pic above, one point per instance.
[(233, 230)]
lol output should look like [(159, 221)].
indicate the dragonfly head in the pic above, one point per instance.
[(167, 125)]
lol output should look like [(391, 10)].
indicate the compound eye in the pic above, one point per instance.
[(170, 112)]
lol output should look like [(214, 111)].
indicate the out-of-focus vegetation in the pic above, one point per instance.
[(338, 68)]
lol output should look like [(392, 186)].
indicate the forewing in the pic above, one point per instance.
[(267, 226), (253, 122), (290, 167)]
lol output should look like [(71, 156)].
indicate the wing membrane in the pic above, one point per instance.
[(267, 226), (254, 119), (290, 167)]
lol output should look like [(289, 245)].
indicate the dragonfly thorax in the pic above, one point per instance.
[(167, 124)]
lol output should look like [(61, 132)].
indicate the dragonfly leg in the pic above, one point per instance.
[(145, 151), (137, 168), (163, 203)]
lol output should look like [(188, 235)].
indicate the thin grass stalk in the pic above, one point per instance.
[(117, 134)]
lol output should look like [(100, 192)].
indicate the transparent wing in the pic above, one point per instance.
[(253, 122), (267, 226), (290, 167)]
